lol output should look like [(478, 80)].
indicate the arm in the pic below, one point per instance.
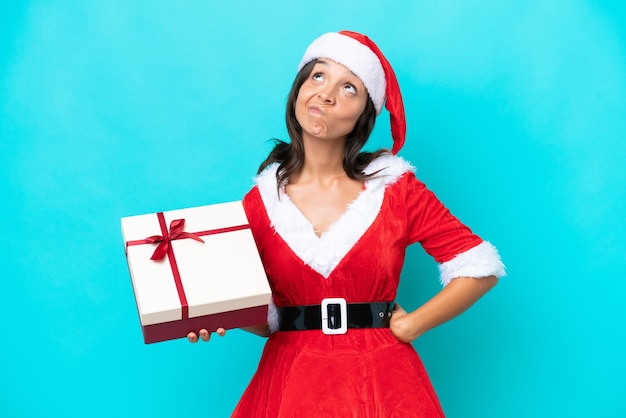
[(452, 300), (468, 266)]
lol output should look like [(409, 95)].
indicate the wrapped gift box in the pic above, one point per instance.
[(195, 268)]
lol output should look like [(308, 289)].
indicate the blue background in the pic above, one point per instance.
[(516, 119)]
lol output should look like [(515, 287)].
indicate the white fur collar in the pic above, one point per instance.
[(324, 253)]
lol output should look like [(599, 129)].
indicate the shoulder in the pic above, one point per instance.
[(388, 170), (266, 179), (389, 165), (264, 195), (264, 183)]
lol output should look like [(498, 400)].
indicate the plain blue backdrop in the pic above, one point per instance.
[(516, 119)]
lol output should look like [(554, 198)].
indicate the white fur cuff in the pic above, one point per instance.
[(481, 261)]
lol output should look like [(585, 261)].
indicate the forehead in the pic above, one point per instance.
[(336, 68)]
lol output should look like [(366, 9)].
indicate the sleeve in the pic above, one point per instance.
[(459, 252)]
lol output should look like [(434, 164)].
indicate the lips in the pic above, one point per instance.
[(315, 110)]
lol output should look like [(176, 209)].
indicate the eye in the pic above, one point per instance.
[(350, 88), (317, 76)]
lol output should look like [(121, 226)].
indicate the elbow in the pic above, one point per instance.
[(487, 283)]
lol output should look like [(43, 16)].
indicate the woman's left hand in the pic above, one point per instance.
[(400, 325), (456, 297)]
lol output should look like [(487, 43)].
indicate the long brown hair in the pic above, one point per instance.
[(290, 156)]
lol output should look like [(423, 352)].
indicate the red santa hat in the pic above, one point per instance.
[(366, 61)]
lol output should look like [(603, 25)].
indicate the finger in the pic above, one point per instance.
[(221, 332), (398, 309), (205, 335), (192, 337)]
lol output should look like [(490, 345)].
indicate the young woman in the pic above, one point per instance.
[(332, 224)]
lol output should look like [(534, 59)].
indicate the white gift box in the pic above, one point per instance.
[(210, 275)]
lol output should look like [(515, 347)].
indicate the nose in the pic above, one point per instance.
[(326, 95)]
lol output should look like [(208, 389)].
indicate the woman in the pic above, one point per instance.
[(332, 225)]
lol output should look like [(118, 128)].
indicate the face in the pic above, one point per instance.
[(330, 101)]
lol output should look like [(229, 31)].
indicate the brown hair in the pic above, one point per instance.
[(290, 156)]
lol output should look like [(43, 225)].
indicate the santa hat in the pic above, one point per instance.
[(364, 59)]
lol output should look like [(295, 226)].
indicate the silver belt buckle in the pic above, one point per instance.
[(334, 316)]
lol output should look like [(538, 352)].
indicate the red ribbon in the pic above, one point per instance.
[(175, 232), (165, 248)]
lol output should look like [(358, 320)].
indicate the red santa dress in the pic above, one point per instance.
[(365, 372)]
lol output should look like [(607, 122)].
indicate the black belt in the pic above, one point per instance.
[(335, 316)]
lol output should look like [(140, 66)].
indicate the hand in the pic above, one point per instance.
[(205, 335), (399, 325)]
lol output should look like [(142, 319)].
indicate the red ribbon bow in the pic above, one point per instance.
[(175, 232)]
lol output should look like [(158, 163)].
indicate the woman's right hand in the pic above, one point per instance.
[(205, 335)]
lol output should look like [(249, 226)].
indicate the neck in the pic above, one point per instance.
[(323, 160)]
